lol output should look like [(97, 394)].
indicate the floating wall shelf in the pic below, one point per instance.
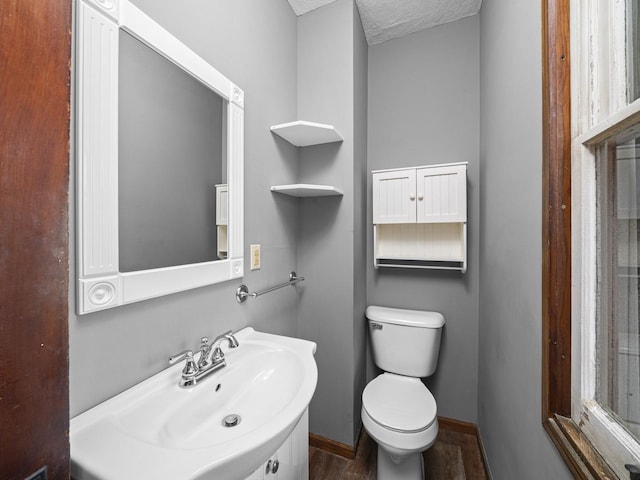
[(307, 190), (303, 134)]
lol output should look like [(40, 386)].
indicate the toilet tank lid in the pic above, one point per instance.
[(400, 316)]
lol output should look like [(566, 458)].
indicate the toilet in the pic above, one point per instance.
[(398, 410)]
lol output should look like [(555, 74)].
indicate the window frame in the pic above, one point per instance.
[(561, 251), (608, 437)]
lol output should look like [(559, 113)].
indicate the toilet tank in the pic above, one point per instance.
[(406, 342)]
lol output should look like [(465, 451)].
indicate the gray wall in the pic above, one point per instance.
[(361, 62), (311, 68), (509, 407), (424, 97), (423, 110), (254, 45), (331, 305)]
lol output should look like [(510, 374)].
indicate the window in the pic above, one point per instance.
[(606, 393), (617, 371), (593, 379)]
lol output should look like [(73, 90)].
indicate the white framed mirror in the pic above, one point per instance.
[(160, 162)]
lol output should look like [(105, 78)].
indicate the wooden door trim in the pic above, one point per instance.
[(35, 54)]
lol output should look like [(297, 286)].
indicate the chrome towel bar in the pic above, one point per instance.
[(242, 293)]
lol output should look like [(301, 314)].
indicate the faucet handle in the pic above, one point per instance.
[(218, 355), (179, 356), (190, 368)]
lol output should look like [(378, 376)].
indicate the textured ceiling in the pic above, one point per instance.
[(383, 20)]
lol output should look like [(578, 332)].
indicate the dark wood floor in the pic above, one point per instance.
[(454, 456)]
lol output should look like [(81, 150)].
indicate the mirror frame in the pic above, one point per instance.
[(101, 285)]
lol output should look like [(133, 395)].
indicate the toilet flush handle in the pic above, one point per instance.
[(375, 326), (634, 471)]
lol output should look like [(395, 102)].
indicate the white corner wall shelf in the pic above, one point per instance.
[(307, 190), (304, 134), (420, 217)]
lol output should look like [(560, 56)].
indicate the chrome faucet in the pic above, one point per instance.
[(193, 373)]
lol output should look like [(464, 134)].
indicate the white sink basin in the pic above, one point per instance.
[(158, 430)]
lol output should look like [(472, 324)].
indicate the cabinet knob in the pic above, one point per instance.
[(412, 197), (420, 196)]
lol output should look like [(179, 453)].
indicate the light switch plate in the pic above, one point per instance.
[(255, 257)]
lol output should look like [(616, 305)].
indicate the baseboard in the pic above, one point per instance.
[(459, 426), (444, 423), (484, 457), (332, 446), (468, 428)]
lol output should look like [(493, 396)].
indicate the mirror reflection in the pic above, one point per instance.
[(171, 163)]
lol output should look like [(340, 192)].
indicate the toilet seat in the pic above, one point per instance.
[(399, 403)]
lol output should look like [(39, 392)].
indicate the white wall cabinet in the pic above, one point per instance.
[(291, 461), (222, 220), (425, 195), (420, 217)]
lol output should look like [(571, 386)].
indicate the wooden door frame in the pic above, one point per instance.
[(35, 57)]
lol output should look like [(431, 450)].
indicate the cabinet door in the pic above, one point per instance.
[(394, 196), (300, 449), (441, 194), (258, 474), (292, 457)]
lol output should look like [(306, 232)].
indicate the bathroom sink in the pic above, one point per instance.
[(158, 430)]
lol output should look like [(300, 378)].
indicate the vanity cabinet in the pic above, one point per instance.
[(291, 461), (420, 217)]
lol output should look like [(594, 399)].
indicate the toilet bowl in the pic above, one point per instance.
[(398, 410), (399, 413)]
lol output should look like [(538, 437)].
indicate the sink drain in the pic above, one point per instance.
[(231, 420)]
